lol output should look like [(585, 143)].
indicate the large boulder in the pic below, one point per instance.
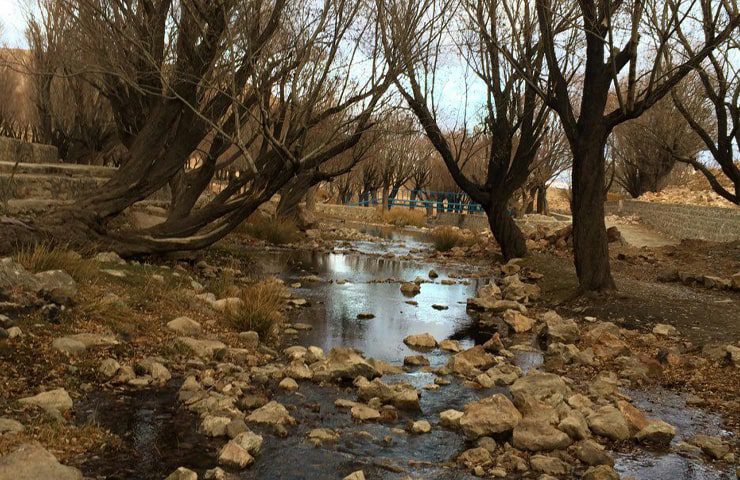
[(401, 395), (343, 364), (13, 275), (536, 435), (657, 434), (492, 415), (33, 462)]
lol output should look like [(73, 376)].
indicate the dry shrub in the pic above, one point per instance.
[(43, 257), (403, 217), (261, 311), (272, 230), (446, 238)]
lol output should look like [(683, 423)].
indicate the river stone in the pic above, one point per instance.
[(536, 435), (288, 384), (358, 475), (468, 363), (182, 473), (234, 456), (416, 361), (298, 370), (609, 422), (214, 426), (475, 457), (450, 418), (495, 414), (343, 364), (575, 425), (422, 341), (69, 346), (184, 326), (235, 427), (273, 413), (591, 453), (58, 285), (8, 425), (364, 413), (32, 462), (658, 433), (504, 374), (401, 395), (249, 441), (712, 446), (318, 436), (548, 465), (410, 288), (109, 257), (108, 368), (202, 348), (665, 330), (57, 399), (558, 329), (421, 426), (546, 387), (517, 321), (600, 472)]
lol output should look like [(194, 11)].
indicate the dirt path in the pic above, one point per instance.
[(639, 235)]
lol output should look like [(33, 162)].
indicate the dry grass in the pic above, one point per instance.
[(446, 238), (271, 230), (403, 217), (261, 311), (43, 257)]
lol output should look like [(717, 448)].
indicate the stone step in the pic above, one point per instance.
[(57, 169)]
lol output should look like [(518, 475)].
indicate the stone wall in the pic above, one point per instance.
[(346, 212), (715, 224), (11, 150)]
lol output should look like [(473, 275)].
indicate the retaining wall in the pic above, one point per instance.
[(716, 224), (11, 150)]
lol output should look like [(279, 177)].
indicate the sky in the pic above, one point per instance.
[(13, 21)]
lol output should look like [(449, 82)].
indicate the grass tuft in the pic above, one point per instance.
[(272, 230), (43, 257), (403, 217), (261, 311), (446, 238)]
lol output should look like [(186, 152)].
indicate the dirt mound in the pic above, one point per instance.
[(687, 196)]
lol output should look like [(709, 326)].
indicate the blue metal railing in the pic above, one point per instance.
[(453, 202)]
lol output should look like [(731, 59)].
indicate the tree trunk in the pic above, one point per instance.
[(412, 202), (590, 243), (542, 207), (291, 195), (506, 231), (384, 199)]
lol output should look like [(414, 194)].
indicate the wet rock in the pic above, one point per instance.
[(635, 418), (416, 361), (235, 427), (687, 450), (319, 436), (475, 457), (536, 435), (493, 305), (288, 384), (450, 346), (204, 349), (591, 453), (450, 418), (358, 475), (273, 413), (365, 316), (343, 364), (364, 413), (658, 434), (182, 473), (438, 306), (8, 425), (504, 374), (548, 465), (665, 330), (108, 368), (546, 387), (558, 329), (609, 422), (492, 415), (469, 362), (410, 289), (712, 446), (401, 395), (185, 326), (33, 462), (600, 472), (517, 321), (494, 344), (214, 426), (57, 399), (249, 441), (421, 341), (421, 426), (234, 456)]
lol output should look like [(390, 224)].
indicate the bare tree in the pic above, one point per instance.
[(552, 160)]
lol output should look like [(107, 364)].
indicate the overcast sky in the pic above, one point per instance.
[(13, 22)]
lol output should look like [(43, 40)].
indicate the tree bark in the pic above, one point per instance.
[(506, 231), (590, 242), (542, 207)]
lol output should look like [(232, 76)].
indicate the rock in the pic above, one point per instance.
[(410, 289), (57, 399), (364, 413), (228, 305), (491, 415), (475, 457), (635, 418), (548, 465), (14, 275), (288, 384), (433, 273), (365, 316), (185, 326), (182, 473), (108, 368), (421, 426), (401, 395), (204, 349), (468, 363), (249, 441), (517, 321), (712, 446), (450, 418), (250, 339), (493, 305), (416, 361), (658, 433), (665, 330), (450, 346), (504, 374), (234, 456), (298, 370), (591, 453), (343, 364), (235, 427), (575, 425), (80, 342), (8, 425), (600, 472), (273, 413), (68, 345), (32, 462), (609, 422), (546, 387), (536, 435), (319, 436), (57, 285), (109, 257), (421, 341), (217, 473), (156, 370), (214, 426), (439, 306), (358, 475), (113, 272), (557, 329)]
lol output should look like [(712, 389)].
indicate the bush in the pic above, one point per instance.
[(43, 257), (403, 217), (446, 238), (261, 311), (272, 230)]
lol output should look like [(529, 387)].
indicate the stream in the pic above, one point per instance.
[(161, 437)]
